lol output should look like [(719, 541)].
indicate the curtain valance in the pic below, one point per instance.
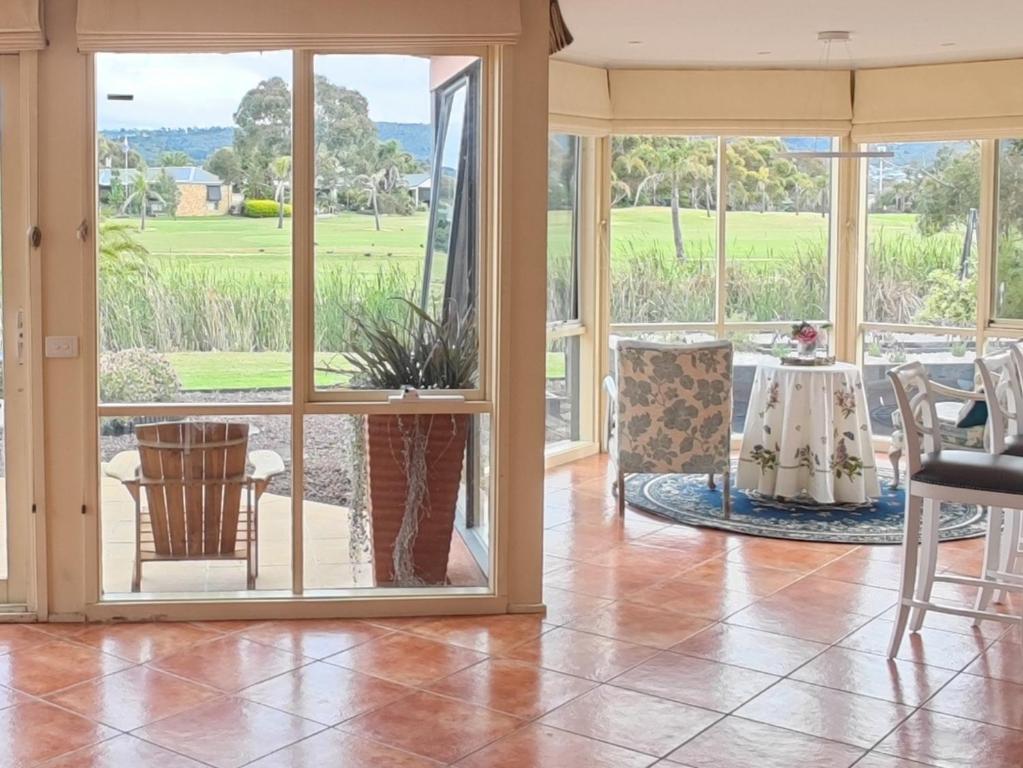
[(198, 25), (21, 26), (763, 102), (974, 100)]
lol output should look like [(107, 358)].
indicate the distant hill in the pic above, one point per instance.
[(200, 143), (415, 138), (197, 143), (920, 154)]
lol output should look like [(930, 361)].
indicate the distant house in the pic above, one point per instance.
[(419, 186), (202, 193)]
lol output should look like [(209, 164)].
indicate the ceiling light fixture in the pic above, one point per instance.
[(827, 37)]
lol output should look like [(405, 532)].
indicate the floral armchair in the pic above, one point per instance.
[(671, 411)]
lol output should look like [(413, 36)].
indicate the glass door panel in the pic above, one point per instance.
[(15, 424)]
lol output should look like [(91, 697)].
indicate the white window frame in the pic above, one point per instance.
[(305, 401)]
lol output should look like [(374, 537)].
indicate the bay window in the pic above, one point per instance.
[(721, 237)]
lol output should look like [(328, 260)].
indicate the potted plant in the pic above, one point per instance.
[(414, 460)]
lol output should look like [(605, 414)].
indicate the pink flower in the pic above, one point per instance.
[(805, 333)]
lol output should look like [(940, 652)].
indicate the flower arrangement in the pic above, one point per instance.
[(806, 337)]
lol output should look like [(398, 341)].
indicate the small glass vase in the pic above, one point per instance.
[(806, 348)]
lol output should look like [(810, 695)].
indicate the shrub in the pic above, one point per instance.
[(137, 376), (264, 209)]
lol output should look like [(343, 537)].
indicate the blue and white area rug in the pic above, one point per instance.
[(686, 499)]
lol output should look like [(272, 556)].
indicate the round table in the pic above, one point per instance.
[(807, 433)]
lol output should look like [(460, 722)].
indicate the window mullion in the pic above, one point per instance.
[(987, 250), (303, 295), (722, 257)]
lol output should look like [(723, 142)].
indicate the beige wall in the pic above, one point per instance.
[(66, 169), (193, 201)]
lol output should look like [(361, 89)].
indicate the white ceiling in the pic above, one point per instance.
[(783, 33)]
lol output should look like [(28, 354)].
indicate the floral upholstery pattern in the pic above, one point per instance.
[(674, 407)]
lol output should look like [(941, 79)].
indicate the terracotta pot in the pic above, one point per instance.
[(445, 441)]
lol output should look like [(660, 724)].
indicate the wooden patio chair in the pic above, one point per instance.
[(194, 474)]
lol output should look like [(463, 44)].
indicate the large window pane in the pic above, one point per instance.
[(397, 165), (356, 491), (663, 229), (194, 227), (562, 228), (948, 358), (922, 234), (778, 230), (562, 395), (179, 541), (1008, 298)]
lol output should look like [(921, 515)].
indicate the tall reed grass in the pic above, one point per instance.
[(180, 307)]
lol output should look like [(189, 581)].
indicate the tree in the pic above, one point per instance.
[(262, 133), (374, 184), (667, 160), (120, 254), (141, 191), (280, 169), (948, 189), (224, 165), (343, 128), (166, 189), (115, 198), (175, 159), (110, 154)]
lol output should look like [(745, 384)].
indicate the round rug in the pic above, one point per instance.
[(686, 499)]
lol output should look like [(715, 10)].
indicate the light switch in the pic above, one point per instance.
[(62, 346)]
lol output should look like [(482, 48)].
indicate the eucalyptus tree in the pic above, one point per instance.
[(280, 171)]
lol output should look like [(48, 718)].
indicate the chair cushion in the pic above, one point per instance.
[(972, 469), (1014, 446), (972, 414), (972, 437)]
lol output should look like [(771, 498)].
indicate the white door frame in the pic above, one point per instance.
[(23, 592)]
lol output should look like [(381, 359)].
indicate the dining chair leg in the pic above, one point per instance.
[(620, 487), (894, 457), (1010, 546), (726, 493), (928, 561), (910, 543), (710, 482), (994, 556)]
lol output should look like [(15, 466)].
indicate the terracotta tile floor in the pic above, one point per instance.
[(662, 645)]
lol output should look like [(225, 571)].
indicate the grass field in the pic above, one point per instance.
[(248, 248), (270, 370), (256, 244), (234, 242)]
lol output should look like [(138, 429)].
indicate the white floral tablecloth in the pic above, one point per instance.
[(807, 433)]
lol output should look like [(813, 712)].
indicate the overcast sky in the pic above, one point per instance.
[(203, 90)]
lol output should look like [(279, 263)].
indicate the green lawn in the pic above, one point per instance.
[(234, 242), (771, 236), (270, 370), (243, 370)]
